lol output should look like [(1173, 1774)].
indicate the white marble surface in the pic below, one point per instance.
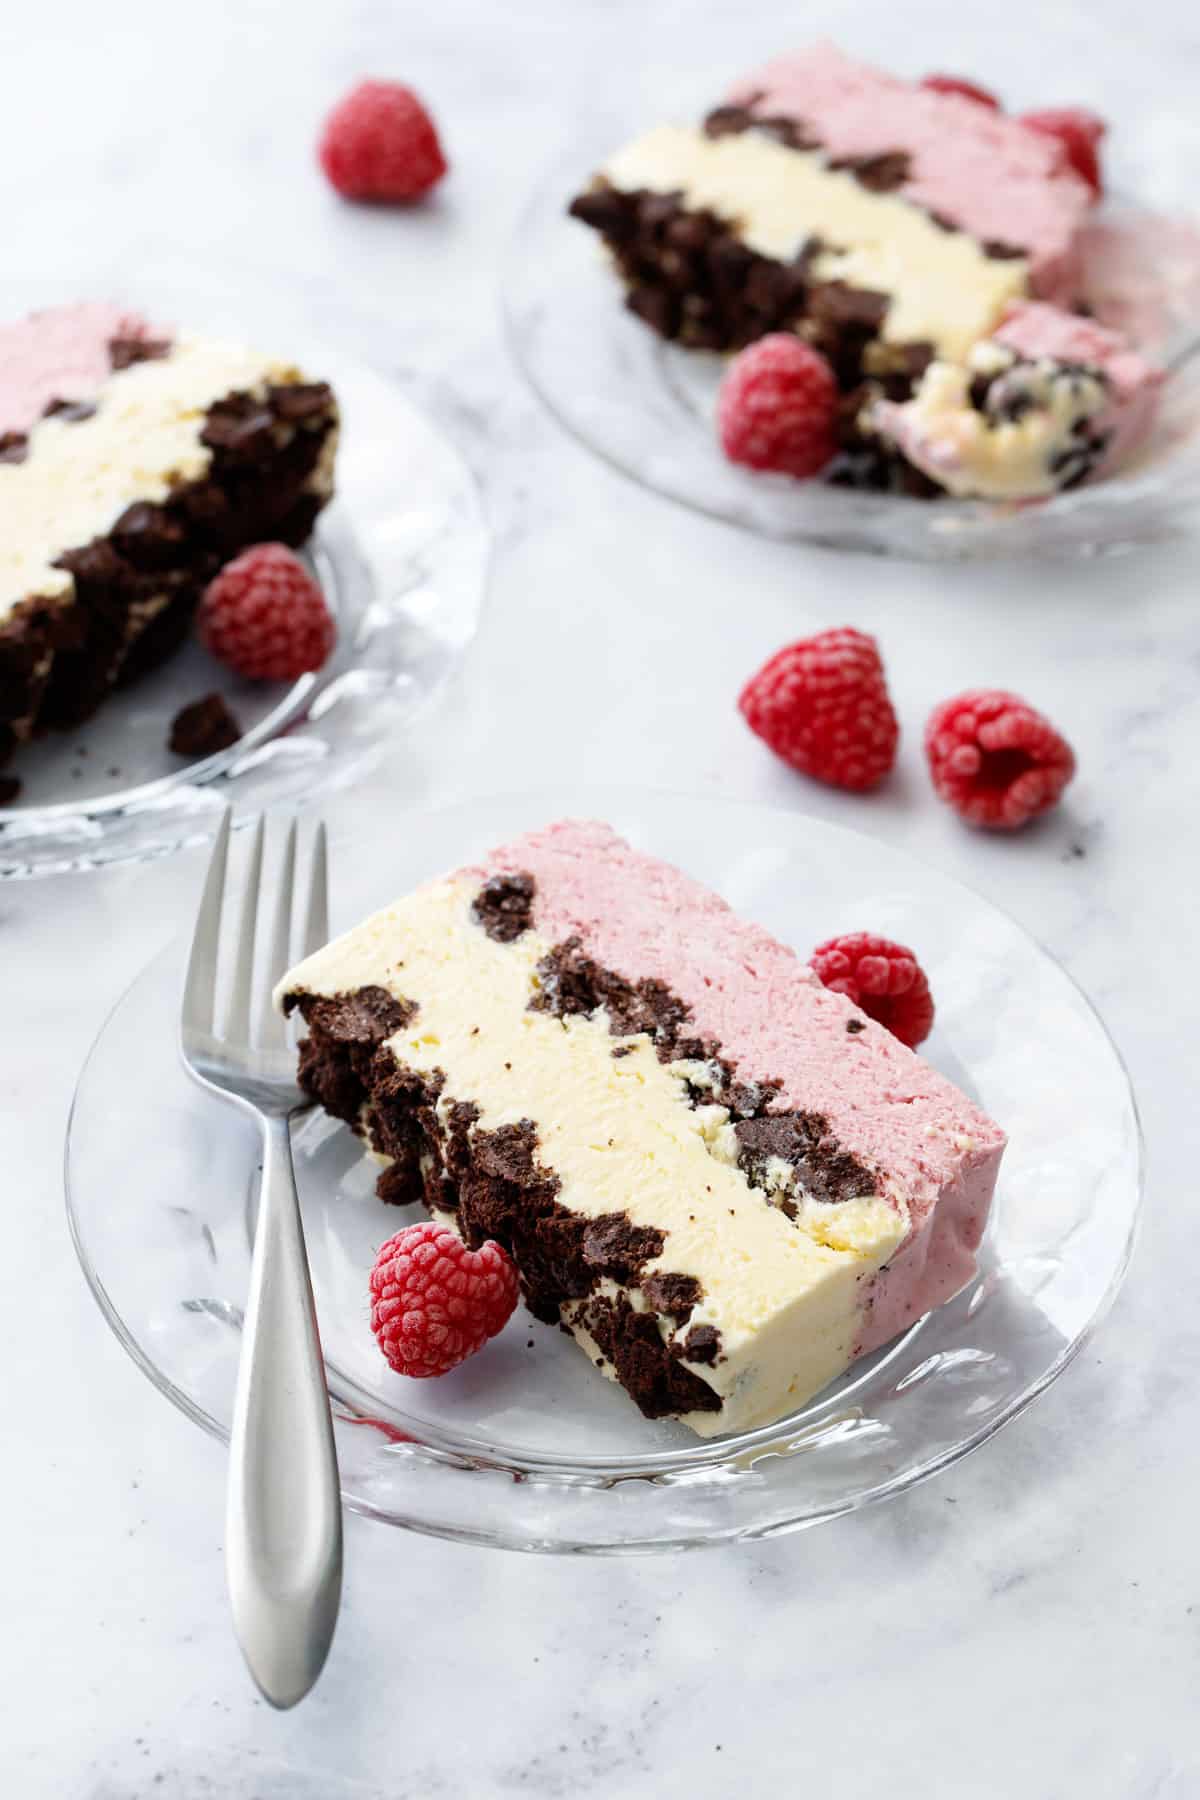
[(1029, 1624)]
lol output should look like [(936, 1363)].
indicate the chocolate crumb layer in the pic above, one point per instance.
[(495, 1185), (504, 906), (203, 728), (573, 982), (10, 788), (645, 1366), (803, 1139)]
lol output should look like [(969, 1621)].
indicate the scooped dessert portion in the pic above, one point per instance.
[(1049, 400), (721, 1177), (134, 461), (901, 231)]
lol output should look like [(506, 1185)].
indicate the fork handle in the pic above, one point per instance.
[(283, 1522)]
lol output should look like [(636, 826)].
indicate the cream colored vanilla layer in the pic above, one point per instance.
[(621, 1135), (143, 439), (943, 289)]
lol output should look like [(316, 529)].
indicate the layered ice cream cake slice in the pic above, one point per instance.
[(921, 242), (886, 222), (722, 1179), (133, 462)]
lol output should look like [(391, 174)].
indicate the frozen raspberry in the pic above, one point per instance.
[(379, 143), (777, 407), (265, 617), (822, 705), (995, 760), (955, 84), (884, 978), (434, 1302), (1079, 132)]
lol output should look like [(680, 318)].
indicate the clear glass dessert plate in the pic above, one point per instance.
[(526, 1446), (647, 407), (401, 555)]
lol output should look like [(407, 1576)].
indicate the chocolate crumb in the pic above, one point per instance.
[(14, 446), (853, 1025), (503, 906), (71, 412), (203, 727)]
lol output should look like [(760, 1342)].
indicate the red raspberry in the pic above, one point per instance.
[(884, 978), (434, 1302), (265, 617), (777, 407), (995, 760), (822, 704), (379, 143), (1079, 132), (955, 84)]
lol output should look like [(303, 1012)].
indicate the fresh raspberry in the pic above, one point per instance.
[(1079, 132), (955, 84), (822, 704), (434, 1302), (265, 617), (777, 407), (995, 760), (379, 143), (884, 978)]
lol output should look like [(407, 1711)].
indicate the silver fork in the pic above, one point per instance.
[(283, 1521)]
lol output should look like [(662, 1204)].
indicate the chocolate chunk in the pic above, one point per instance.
[(731, 121), (365, 1017), (615, 1247), (882, 173), (1002, 252), (124, 352), (848, 308), (823, 1168), (203, 728), (674, 1295), (14, 446), (300, 402), (148, 536), (239, 431), (71, 412), (504, 906), (10, 787), (703, 1344), (645, 1366)]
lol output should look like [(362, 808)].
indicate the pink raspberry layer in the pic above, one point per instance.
[(1034, 329), (773, 1018), (978, 169), (59, 354)]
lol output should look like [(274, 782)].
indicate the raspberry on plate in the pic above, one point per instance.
[(1079, 132), (883, 978), (822, 705), (995, 760), (434, 1302), (265, 617), (777, 408), (379, 143), (956, 84)]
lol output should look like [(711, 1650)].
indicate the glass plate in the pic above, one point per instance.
[(647, 407), (524, 1446), (401, 555)]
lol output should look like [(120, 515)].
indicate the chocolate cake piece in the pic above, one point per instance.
[(133, 465), (723, 1179)]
